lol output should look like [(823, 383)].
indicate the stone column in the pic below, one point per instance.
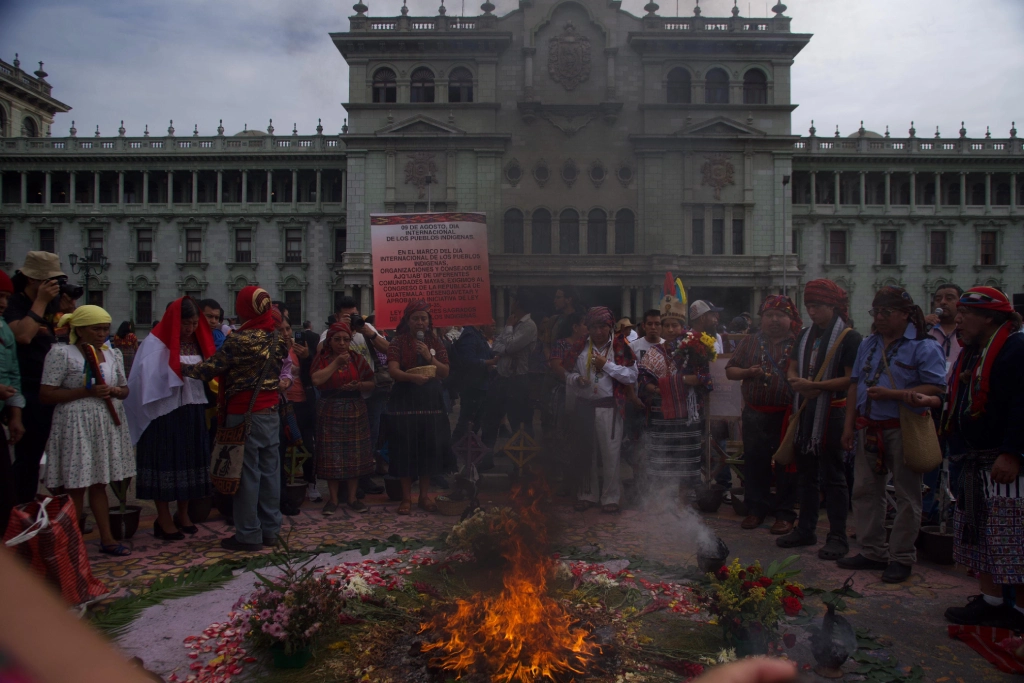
[(195, 188), (245, 187), (48, 190), (528, 70), (626, 300), (888, 190), (295, 187), (1, 189), (364, 300), (913, 191), (344, 187), (145, 189), (96, 188), (610, 65), (319, 186), (656, 295), (1013, 191), (938, 190), (988, 192), (963, 190), (24, 188), (120, 189), (71, 190), (814, 190), (449, 177), (220, 188), (837, 186), (389, 176), (270, 191), (863, 189), (170, 189)]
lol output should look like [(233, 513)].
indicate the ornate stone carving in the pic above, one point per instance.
[(513, 172), (419, 166), (717, 172), (570, 125), (570, 172), (597, 172), (624, 172), (541, 174), (569, 57)]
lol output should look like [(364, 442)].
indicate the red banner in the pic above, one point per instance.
[(438, 257)]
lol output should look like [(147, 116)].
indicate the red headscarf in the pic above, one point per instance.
[(987, 298), (254, 306), (5, 283), (599, 315), (414, 306), (333, 330), (168, 330), (779, 302), (828, 293)]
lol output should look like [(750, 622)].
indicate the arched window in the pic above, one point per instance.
[(1002, 197), (755, 87), (422, 85), (514, 232), (569, 232), (678, 86), (460, 85), (385, 88), (540, 231), (625, 227), (597, 232), (31, 129), (953, 194), (978, 194), (716, 87)]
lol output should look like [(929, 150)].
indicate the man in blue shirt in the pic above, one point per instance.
[(897, 361)]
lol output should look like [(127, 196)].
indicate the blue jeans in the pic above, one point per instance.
[(257, 504)]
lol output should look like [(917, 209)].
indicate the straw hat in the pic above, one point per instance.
[(42, 265), (623, 324)]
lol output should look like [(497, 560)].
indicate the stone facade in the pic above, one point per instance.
[(604, 148)]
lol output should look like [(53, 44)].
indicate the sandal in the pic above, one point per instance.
[(405, 508), (427, 505), (611, 509), (116, 550), (582, 505), (835, 548)]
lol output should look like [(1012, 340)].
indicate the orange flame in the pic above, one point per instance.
[(521, 635)]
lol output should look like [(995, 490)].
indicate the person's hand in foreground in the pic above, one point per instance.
[(752, 670)]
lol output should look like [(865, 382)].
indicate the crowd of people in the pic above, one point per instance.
[(201, 405)]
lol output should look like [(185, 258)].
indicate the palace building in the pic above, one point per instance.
[(604, 148)]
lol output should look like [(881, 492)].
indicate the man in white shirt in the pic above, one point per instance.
[(651, 327), (597, 378), (509, 393)]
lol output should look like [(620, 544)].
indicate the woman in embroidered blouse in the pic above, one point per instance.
[(86, 449), (343, 428), (419, 436)]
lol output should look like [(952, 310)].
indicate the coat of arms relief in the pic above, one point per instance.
[(569, 57)]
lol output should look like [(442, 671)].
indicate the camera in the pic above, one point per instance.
[(357, 322), (72, 291)]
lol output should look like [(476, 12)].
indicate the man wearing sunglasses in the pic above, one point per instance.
[(894, 364)]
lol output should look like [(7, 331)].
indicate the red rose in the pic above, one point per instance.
[(742, 574), (795, 590), (791, 606), (765, 582), (752, 569), (789, 639), (722, 573), (747, 585)]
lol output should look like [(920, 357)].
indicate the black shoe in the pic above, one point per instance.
[(370, 486), (360, 494), (835, 548), (978, 612), (289, 510), (232, 543), (858, 561), (896, 572), (796, 538), (269, 542), (191, 529), (164, 536)]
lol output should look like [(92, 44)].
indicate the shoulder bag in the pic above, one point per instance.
[(785, 453), (229, 444), (921, 450)]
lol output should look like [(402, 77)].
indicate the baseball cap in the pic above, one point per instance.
[(700, 307)]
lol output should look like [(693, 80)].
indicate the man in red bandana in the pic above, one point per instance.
[(985, 411)]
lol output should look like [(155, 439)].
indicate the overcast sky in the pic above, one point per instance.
[(888, 62)]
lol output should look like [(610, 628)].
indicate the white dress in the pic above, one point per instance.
[(85, 446)]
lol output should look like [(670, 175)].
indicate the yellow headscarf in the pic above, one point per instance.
[(83, 316)]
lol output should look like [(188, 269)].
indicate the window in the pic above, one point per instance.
[(540, 230), (978, 194), (47, 240), (837, 247), (293, 245), (460, 85), (144, 245), (755, 87), (95, 298), (95, 243), (597, 232), (31, 129), (1002, 197), (988, 248), (193, 246), (143, 308), (624, 232), (514, 232), (3, 245), (716, 87), (243, 245), (385, 88), (717, 235), (678, 86), (293, 302), (937, 242), (737, 236), (340, 238), (569, 232), (698, 236), (887, 248), (422, 89)]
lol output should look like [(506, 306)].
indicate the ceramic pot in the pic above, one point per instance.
[(126, 526), (291, 660), (199, 509), (937, 546)]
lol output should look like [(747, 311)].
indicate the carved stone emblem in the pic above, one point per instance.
[(569, 57), (717, 172), (419, 166)]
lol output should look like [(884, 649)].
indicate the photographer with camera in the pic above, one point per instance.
[(41, 291)]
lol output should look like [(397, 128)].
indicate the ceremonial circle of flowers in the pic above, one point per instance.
[(749, 601)]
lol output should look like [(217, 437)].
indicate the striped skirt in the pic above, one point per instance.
[(342, 439), (173, 456), (1000, 548), (674, 448)]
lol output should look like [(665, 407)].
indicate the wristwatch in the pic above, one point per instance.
[(375, 335), (38, 318)]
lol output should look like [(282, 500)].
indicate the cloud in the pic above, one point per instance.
[(146, 62)]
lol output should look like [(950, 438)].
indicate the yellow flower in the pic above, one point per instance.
[(757, 593)]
